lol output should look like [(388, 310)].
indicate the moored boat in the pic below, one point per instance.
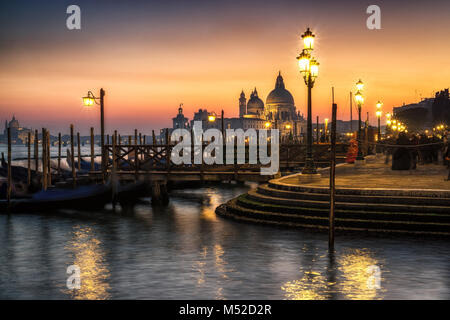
[(81, 198)]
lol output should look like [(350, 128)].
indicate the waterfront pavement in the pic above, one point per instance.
[(376, 174)]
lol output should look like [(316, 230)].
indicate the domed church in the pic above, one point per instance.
[(255, 105), (280, 103), (279, 111)]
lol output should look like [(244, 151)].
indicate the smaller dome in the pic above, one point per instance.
[(255, 104)]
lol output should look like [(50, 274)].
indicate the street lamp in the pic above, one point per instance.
[(267, 124), (359, 101), (309, 68), (359, 85), (378, 113), (89, 101), (326, 129), (388, 119)]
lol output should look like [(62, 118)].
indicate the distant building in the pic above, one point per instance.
[(416, 115), (278, 113), (441, 108), (180, 121), (19, 135), (426, 113)]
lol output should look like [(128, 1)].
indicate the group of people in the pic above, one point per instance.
[(409, 149)]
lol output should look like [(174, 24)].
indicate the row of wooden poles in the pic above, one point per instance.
[(46, 155)]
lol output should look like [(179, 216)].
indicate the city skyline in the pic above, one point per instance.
[(152, 57)]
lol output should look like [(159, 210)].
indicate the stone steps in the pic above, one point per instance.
[(323, 194), (362, 203), (373, 210), (265, 203), (235, 210), (445, 194)]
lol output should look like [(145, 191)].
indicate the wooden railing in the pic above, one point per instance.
[(157, 157)]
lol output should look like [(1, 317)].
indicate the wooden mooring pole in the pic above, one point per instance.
[(168, 150), (59, 153), (136, 155), (72, 158), (36, 151), (113, 173), (9, 181), (29, 159), (332, 175), (49, 158), (92, 150), (44, 159), (79, 151)]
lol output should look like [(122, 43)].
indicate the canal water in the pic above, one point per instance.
[(185, 251)]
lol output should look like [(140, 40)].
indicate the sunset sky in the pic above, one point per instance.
[(150, 56)]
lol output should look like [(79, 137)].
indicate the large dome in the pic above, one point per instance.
[(280, 95), (255, 104)]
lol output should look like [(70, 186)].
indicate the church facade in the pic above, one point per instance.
[(19, 135), (278, 112)]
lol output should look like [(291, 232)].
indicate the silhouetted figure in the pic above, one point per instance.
[(414, 152), (446, 155), (434, 149), (322, 138), (424, 150), (401, 159)]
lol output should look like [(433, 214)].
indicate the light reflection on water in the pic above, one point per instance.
[(352, 270), (89, 257), (184, 251)]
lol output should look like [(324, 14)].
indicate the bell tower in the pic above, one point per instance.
[(242, 105)]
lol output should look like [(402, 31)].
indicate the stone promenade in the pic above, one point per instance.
[(376, 174)]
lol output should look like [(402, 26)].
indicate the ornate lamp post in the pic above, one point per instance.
[(378, 113), (309, 68), (89, 101), (359, 100)]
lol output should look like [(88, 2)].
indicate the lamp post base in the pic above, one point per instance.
[(309, 167), (309, 177)]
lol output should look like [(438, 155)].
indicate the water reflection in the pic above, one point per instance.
[(209, 212), (354, 266), (312, 286), (184, 251), (200, 266), (89, 257), (352, 271)]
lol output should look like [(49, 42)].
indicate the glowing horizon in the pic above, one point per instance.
[(152, 57)]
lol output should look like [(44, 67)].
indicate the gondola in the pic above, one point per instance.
[(92, 197), (85, 166)]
